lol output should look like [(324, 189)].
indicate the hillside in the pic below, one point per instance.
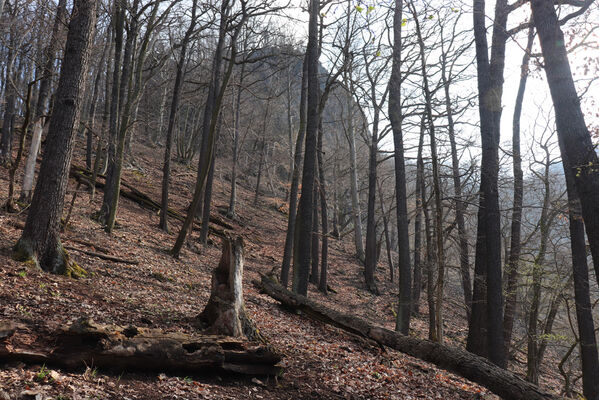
[(320, 362)]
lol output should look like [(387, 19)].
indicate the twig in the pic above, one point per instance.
[(103, 256)]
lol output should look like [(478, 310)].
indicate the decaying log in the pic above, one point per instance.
[(130, 192), (472, 367), (225, 313), (103, 256), (117, 348)]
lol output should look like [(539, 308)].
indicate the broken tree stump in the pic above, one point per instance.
[(225, 313), (118, 348), (477, 369)]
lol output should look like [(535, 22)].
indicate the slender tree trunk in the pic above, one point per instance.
[(216, 91), (301, 269), (315, 247), (460, 206), (355, 196), (40, 108), (395, 116), (324, 259), (370, 259), (297, 159), (166, 167), (584, 310), (208, 192), (545, 221), (40, 240), (515, 245), (416, 288), (386, 232), (237, 115), (574, 138), (9, 105), (486, 321), (440, 252)]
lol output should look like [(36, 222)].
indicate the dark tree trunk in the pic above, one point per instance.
[(40, 240), (237, 115), (417, 285), (574, 138), (486, 322), (515, 245), (166, 167), (208, 195), (370, 258), (395, 116), (9, 105), (216, 91), (40, 109), (460, 205), (584, 314), (322, 283), (297, 159), (440, 253), (301, 268), (474, 368), (315, 247)]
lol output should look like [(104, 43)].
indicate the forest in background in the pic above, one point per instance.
[(384, 129)]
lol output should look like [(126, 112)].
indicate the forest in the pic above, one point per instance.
[(299, 199)]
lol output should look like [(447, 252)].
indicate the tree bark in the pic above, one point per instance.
[(40, 108), (574, 138), (468, 365), (120, 348), (515, 245), (485, 333), (166, 167), (395, 116), (40, 241), (301, 269), (297, 160)]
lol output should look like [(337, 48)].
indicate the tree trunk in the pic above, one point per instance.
[(324, 259), (130, 348), (166, 168), (460, 205), (395, 116), (370, 258), (297, 159), (301, 269), (216, 91), (584, 310), (515, 245), (40, 240), (574, 138), (440, 252), (468, 365), (225, 313), (40, 108), (486, 322)]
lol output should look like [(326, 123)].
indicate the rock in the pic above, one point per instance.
[(31, 395)]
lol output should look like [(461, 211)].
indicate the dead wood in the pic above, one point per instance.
[(103, 256), (472, 367), (225, 312), (118, 348), (130, 192)]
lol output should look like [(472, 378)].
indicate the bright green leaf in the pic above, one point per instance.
[(359, 9)]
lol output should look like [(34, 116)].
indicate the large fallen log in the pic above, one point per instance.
[(118, 348), (470, 366), (130, 192)]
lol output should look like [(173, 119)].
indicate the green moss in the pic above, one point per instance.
[(71, 268)]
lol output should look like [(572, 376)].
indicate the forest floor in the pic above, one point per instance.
[(320, 362)]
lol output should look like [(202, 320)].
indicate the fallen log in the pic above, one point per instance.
[(103, 256), (118, 348), (470, 366), (133, 194)]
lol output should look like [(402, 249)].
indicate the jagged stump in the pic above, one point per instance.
[(225, 313)]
